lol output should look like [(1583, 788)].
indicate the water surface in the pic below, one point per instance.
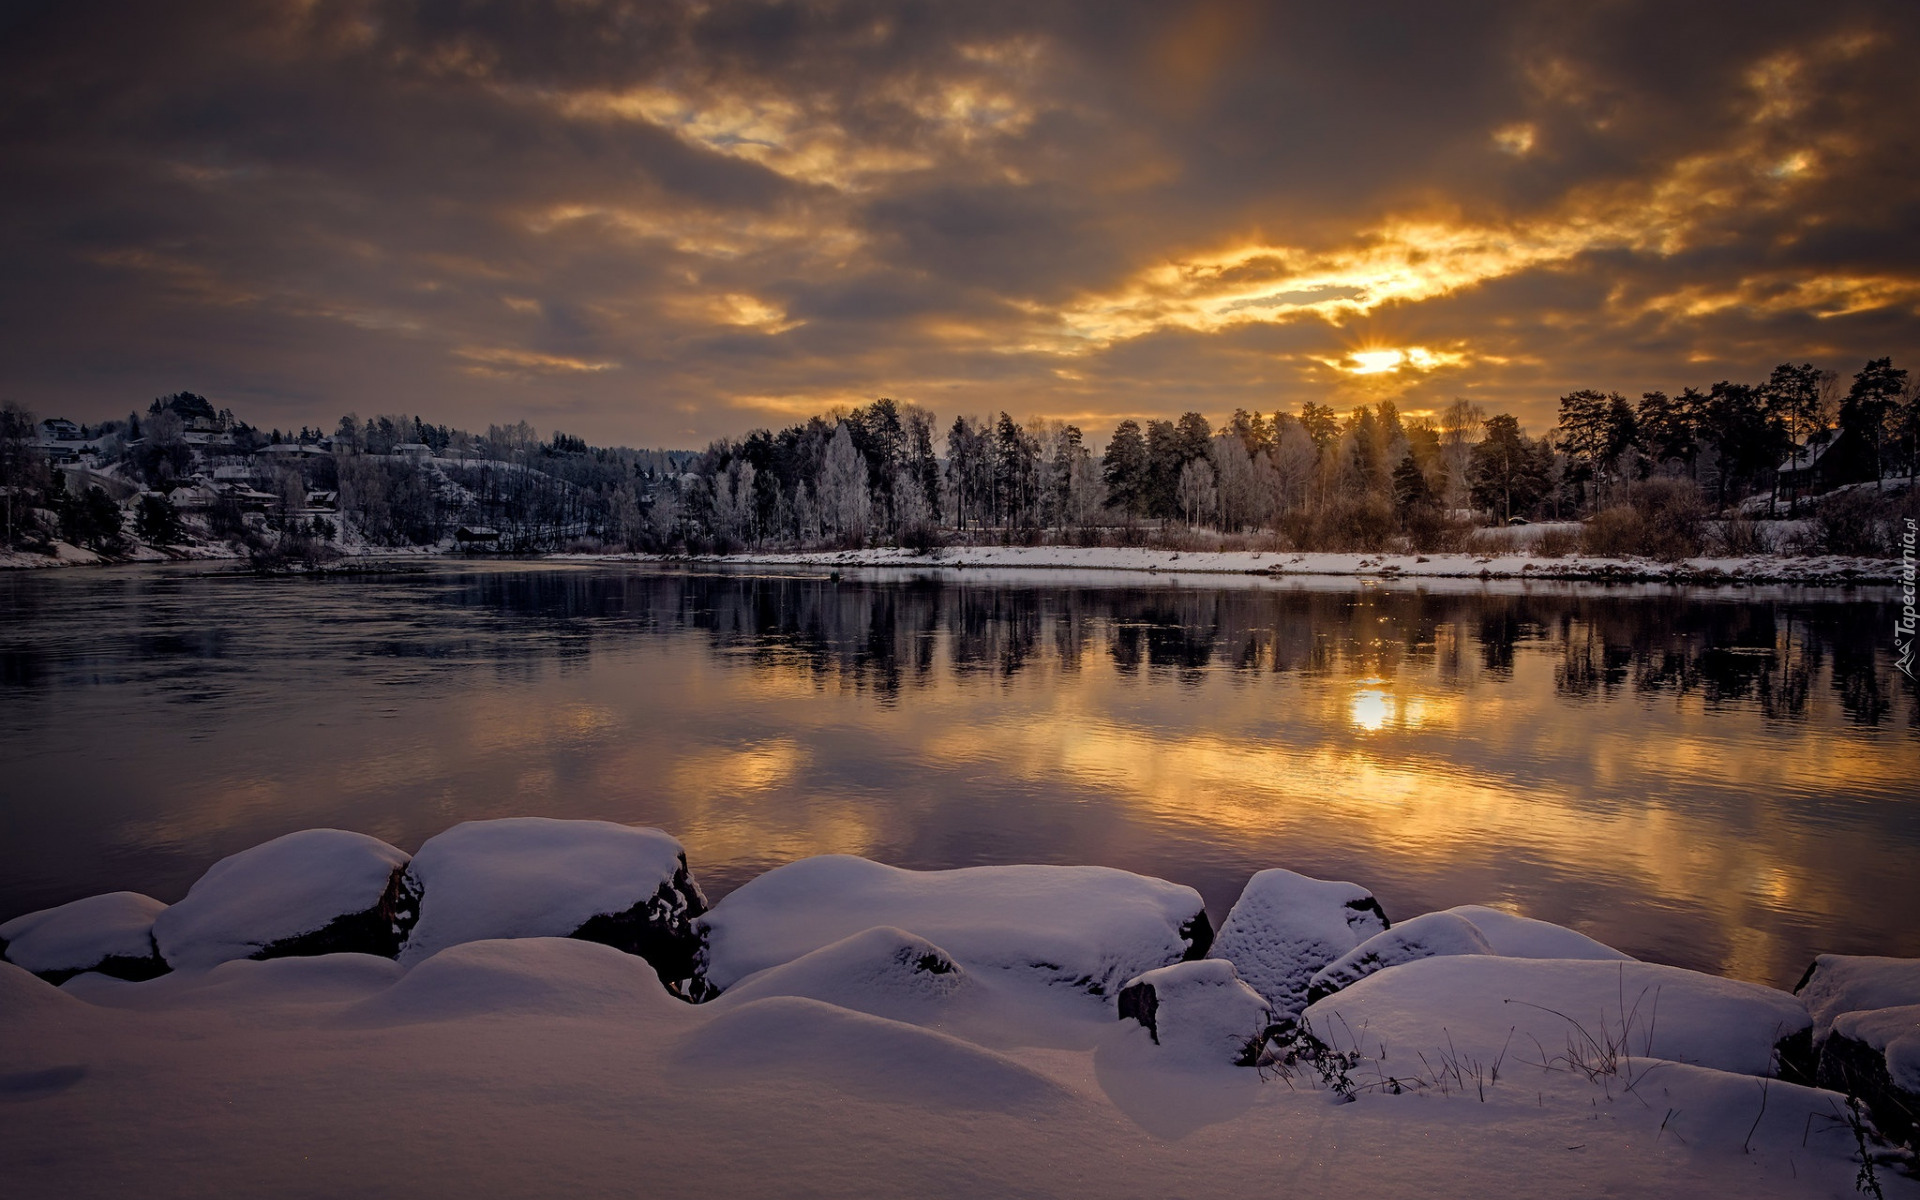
[(1723, 779)]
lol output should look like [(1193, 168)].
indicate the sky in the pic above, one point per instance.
[(658, 223)]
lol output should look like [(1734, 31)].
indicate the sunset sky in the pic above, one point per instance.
[(656, 224)]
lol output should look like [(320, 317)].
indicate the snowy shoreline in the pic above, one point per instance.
[(529, 1005), (1821, 571), (1809, 571)]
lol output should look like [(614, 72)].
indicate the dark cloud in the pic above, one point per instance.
[(656, 221)]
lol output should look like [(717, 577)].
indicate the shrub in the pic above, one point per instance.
[(1662, 518), (1673, 516), (1557, 543), (1739, 536), (1858, 521), (1614, 532)]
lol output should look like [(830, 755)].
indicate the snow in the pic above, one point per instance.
[(1843, 983), (1895, 1032), (525, 877), (550, 976), (531, 1067), (81, 935), (1088, 927), (883, 971), (1515, 936), (898, 1064), (1473, 1006), (293, 885), (1286, 926), (1516, 565), (1198, 1011), (1468, 929)]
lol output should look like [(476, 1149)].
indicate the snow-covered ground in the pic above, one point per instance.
[(892, 1033), (1756, 568)]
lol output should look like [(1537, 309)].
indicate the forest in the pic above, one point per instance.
[(1805, 461)]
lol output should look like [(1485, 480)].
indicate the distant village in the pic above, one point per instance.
[(1805, 463)]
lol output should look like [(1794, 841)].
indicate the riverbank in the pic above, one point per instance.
[(1809, 571), (1826, 570), (516, 1022)]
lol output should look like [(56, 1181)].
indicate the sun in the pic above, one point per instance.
[(1390, 359)]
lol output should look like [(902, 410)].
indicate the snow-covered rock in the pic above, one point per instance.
[(807, 1042), (1199, 1010), (526, 877), (1844, 983), (1585, 1012), (319, 891), (1091, 928), (884, 971), (1875, 1054), (547, 977), (1286, 927), (1468, 929), (112, 934)]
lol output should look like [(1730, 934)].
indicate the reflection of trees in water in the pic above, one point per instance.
[(890, 636)]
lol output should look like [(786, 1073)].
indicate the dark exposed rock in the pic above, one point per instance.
[(597, 881), (380, 930), (659, 929), (318, 891), (111, 934), (1856, 1067), (1200, 1010)]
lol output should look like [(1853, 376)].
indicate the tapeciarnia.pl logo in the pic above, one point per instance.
[(1903, 628)]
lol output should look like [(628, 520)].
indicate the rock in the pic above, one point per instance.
[(1286, 927), (1199, 1010), (1468, 929), (885, 972), (1586, 1015), (1091, 928), (1425, 936), (1875, 1054), (319, 891), (526, 877), (1843, 983), (111, 934)]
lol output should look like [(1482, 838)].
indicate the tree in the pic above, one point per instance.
[(1747, 441), (1295, 459), (1124, 469), (1793, 397), (1163, 469), (1198, 496), (21, 469), (844, 503), (1410, 488), (1086, 493), (1876, 389), (1506, 471), (90, 518), (1594, 429), (1245, 495), (1667, 427), (1320, 423)]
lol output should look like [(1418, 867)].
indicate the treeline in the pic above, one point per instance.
[(1667, 474)]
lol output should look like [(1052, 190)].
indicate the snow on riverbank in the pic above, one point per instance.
[(1823, 570), (884, 1032), (1814, 571)]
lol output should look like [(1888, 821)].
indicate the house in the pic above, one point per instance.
[(291, 452), (59, 429), (477, 537), (1829, 459), (417, 451)]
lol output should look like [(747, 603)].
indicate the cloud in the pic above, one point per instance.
[(655, 221)]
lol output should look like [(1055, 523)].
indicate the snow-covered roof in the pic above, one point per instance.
[(1804, 457)]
